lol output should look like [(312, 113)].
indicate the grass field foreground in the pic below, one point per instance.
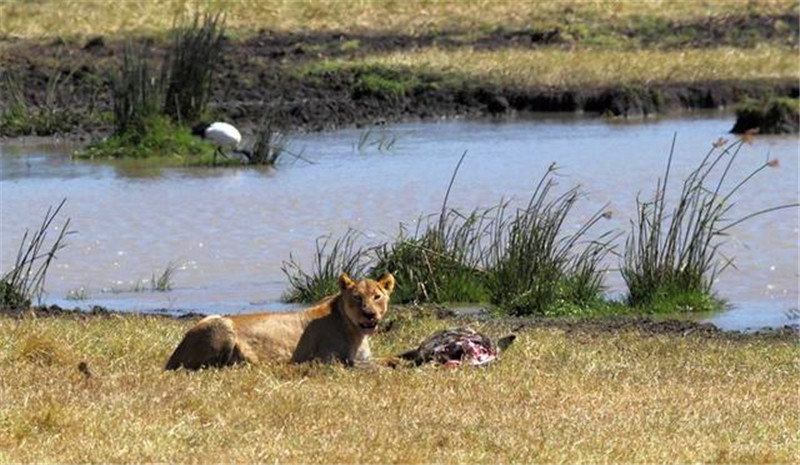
[(553, 397)]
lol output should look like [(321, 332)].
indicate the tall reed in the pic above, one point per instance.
[(26, 279), (191, 62), (538, 267), (137, 91), (673, 250), (332, 257), (526, 263)]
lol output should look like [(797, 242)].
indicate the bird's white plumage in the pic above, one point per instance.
[(223, 134)]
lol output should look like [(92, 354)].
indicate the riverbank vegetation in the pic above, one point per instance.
[(101, 395), (591, 66), (524, 259), (327, 64), (768, 116), (626, 20), (25, 281)]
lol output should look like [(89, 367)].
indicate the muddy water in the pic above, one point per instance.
[(229, 229)]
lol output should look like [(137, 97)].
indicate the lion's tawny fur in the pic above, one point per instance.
[(335, 329)]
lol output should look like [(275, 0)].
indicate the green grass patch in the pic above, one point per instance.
[(22, 121), (376, 81), (161, 139)]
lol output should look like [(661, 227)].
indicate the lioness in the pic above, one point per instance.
[(336, 329)]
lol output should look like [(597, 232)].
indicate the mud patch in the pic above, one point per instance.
[(646, 326)]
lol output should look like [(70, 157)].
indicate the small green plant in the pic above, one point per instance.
[(383, 141), (674, 250), (163, 281), (78, 294), (331, 259), (26, 279)]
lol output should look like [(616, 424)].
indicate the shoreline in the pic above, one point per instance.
[(307, 88), (646, 325)]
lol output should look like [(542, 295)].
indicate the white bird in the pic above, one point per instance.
[(222, 135)]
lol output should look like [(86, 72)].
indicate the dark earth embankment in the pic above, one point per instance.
[(644, 325), (265, 75)]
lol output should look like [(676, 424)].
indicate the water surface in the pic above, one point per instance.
[(229, 229)]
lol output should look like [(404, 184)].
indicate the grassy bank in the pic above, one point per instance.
[(596, 67), (327, 64), (769, 116), (553, 397), (590, 19)]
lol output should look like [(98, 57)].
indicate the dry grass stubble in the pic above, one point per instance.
[(552, 398)]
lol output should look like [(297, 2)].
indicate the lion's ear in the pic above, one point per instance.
[(345, 282), (387, 282)]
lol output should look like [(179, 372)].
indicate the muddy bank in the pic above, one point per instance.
[(775, 116), (644, 325), (66, 85)]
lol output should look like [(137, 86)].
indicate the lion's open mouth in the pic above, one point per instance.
[(369, 328)]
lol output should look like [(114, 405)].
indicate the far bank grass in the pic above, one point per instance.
[(584, 19), (558, 68), (553, 397)]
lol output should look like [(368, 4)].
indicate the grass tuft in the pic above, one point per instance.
[(52, 116), (26, 279), (770, 116), (332, 258), (190, 65), (672, 253), (163, 282), (537, 267), (40, 350), (525, 264), (137, 92)]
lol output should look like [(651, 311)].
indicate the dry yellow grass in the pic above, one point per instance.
[(47, 18), (552, 398), (588, 67)]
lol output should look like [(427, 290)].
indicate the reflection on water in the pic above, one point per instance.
[(230, 228)]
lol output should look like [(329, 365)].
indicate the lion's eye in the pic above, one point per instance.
[(357, 298), (377, 297)]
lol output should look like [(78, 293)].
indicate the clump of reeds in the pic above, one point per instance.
[(26, 279), (524, 264), (190, 64), (672, 252), (332, 257), (177, 87), (440, 263), (163, 281), (137, 91), (270, 143), (535, 265)]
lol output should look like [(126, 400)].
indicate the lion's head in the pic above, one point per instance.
[(365, 302)]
